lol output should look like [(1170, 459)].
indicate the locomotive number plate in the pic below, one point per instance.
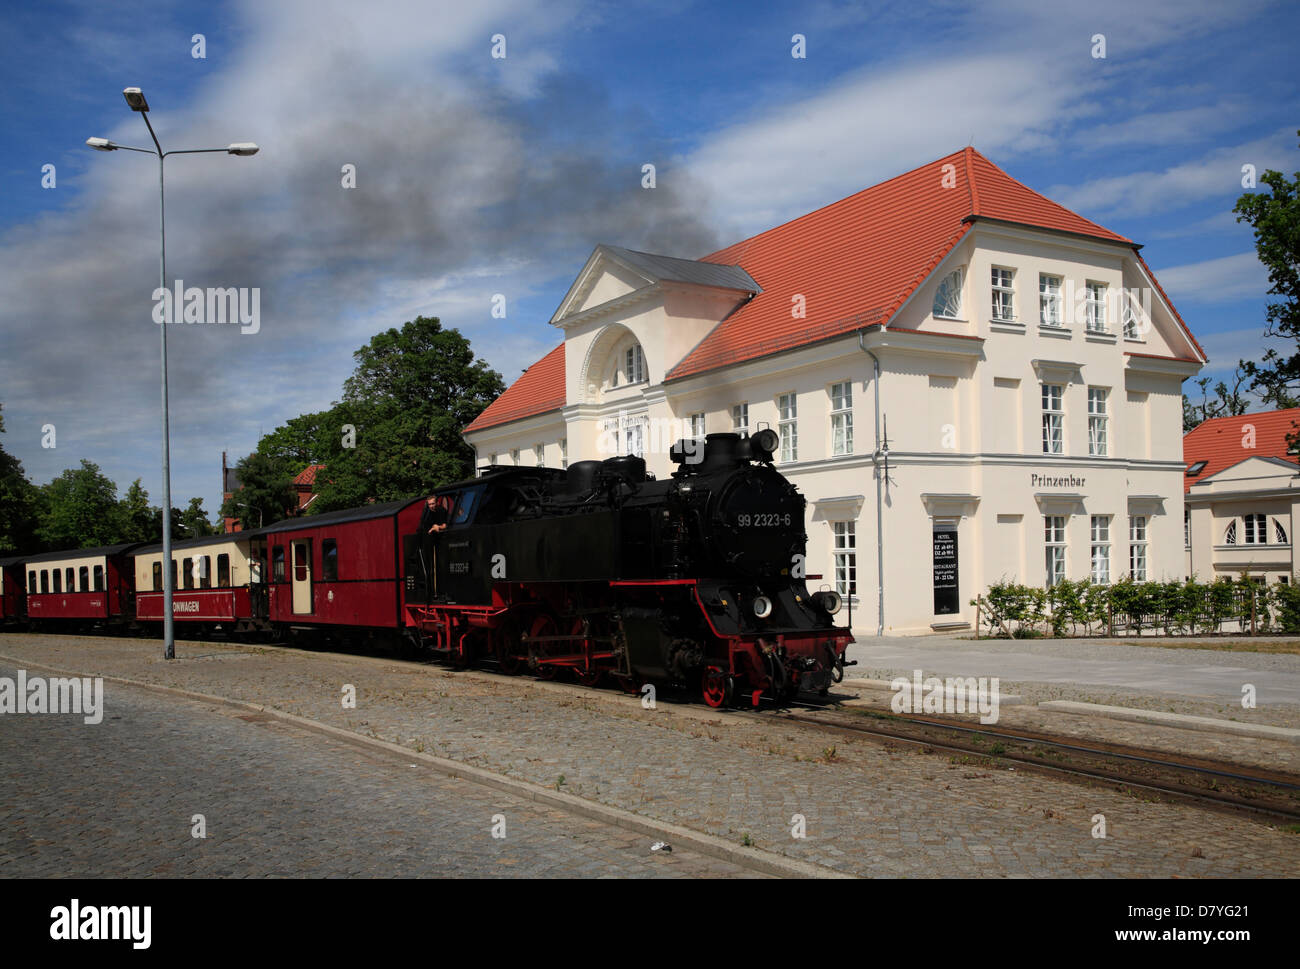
[(772, 520)]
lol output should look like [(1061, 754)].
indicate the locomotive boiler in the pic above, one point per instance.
[(697, 580)]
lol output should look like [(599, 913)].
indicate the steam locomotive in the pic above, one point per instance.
[(696, 581)]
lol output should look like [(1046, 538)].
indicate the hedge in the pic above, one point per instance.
[(1174, 608)]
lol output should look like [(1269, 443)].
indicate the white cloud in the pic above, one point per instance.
[(1216, 280), (1217, 173)]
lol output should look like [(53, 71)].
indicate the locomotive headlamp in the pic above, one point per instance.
[(764, 443), (832, 602), (762, 607)]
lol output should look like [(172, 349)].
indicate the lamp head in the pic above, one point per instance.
[(101, 144), (242, 148), (135, 99)]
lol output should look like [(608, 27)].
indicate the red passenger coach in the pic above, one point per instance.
[(340, 569), (88, 584)]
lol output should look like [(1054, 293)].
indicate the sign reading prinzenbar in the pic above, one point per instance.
[(1055, 481)]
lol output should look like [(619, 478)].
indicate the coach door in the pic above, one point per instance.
[(300, 580)]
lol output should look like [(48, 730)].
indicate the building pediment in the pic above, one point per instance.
[(614, 278)]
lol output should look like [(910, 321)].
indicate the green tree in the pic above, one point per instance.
[(1275, 217), (81, 509), (137, 520), (194, 520), (19, 504), (410, 396), (266, 495)]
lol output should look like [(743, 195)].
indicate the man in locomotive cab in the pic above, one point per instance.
[(433, 520), (435, 515)]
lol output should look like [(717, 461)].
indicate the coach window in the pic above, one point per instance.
[(174, 574), (99, 578), (189, 575), (31, 582), (45, 580), (205, 571), (58, 581), (83, 579), (329, 554), (157, 577), (69, 579), (277, 564), (223, 570)]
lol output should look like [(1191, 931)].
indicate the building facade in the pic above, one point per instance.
[(1243, 497), (970, 383)]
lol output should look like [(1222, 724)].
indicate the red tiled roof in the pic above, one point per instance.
[(540, 389), (1218, 441), (307, 476), (857, 260)]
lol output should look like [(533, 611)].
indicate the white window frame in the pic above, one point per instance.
[(1054, 546), (1053, 418), (634, 364), (787, 413), (1137, 547), (514, 456), (1099, 551), (1256, 529), (1230, 533), (539, 454), (1098, 420), (696, 422), (844, 555), (564, 452), (740, 417), (1002, 282), (634, 438), (1049, 300), (1095, 306), (841, 395), (1281, 532)]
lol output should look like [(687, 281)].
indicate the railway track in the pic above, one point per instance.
[(1226, 787)]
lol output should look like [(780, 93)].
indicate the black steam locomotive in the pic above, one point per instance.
[(696, 581)]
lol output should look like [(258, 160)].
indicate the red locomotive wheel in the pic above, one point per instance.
[(718, 687), (507, 644), (587, 677), (544, 625)]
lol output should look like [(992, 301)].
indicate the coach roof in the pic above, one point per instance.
[(81, 553), (381, 510)]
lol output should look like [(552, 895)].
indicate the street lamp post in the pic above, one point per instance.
[(136, 101)]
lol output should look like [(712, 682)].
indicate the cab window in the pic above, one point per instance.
[(465, 505)]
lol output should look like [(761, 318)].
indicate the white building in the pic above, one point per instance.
[(1243, 497), (1024, 361)]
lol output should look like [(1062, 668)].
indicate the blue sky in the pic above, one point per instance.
[(478, 176)]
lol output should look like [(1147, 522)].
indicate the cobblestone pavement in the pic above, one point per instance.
[(118, 798), (869, 809)]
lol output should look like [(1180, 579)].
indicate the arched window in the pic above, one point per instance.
[(628, 365), (1230, 536), (947, 298)]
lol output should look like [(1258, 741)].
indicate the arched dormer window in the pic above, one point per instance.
[(947, 297)]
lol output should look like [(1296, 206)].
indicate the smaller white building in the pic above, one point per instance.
[(1243, 498)]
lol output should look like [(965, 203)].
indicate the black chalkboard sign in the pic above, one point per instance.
[(946, 594)]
